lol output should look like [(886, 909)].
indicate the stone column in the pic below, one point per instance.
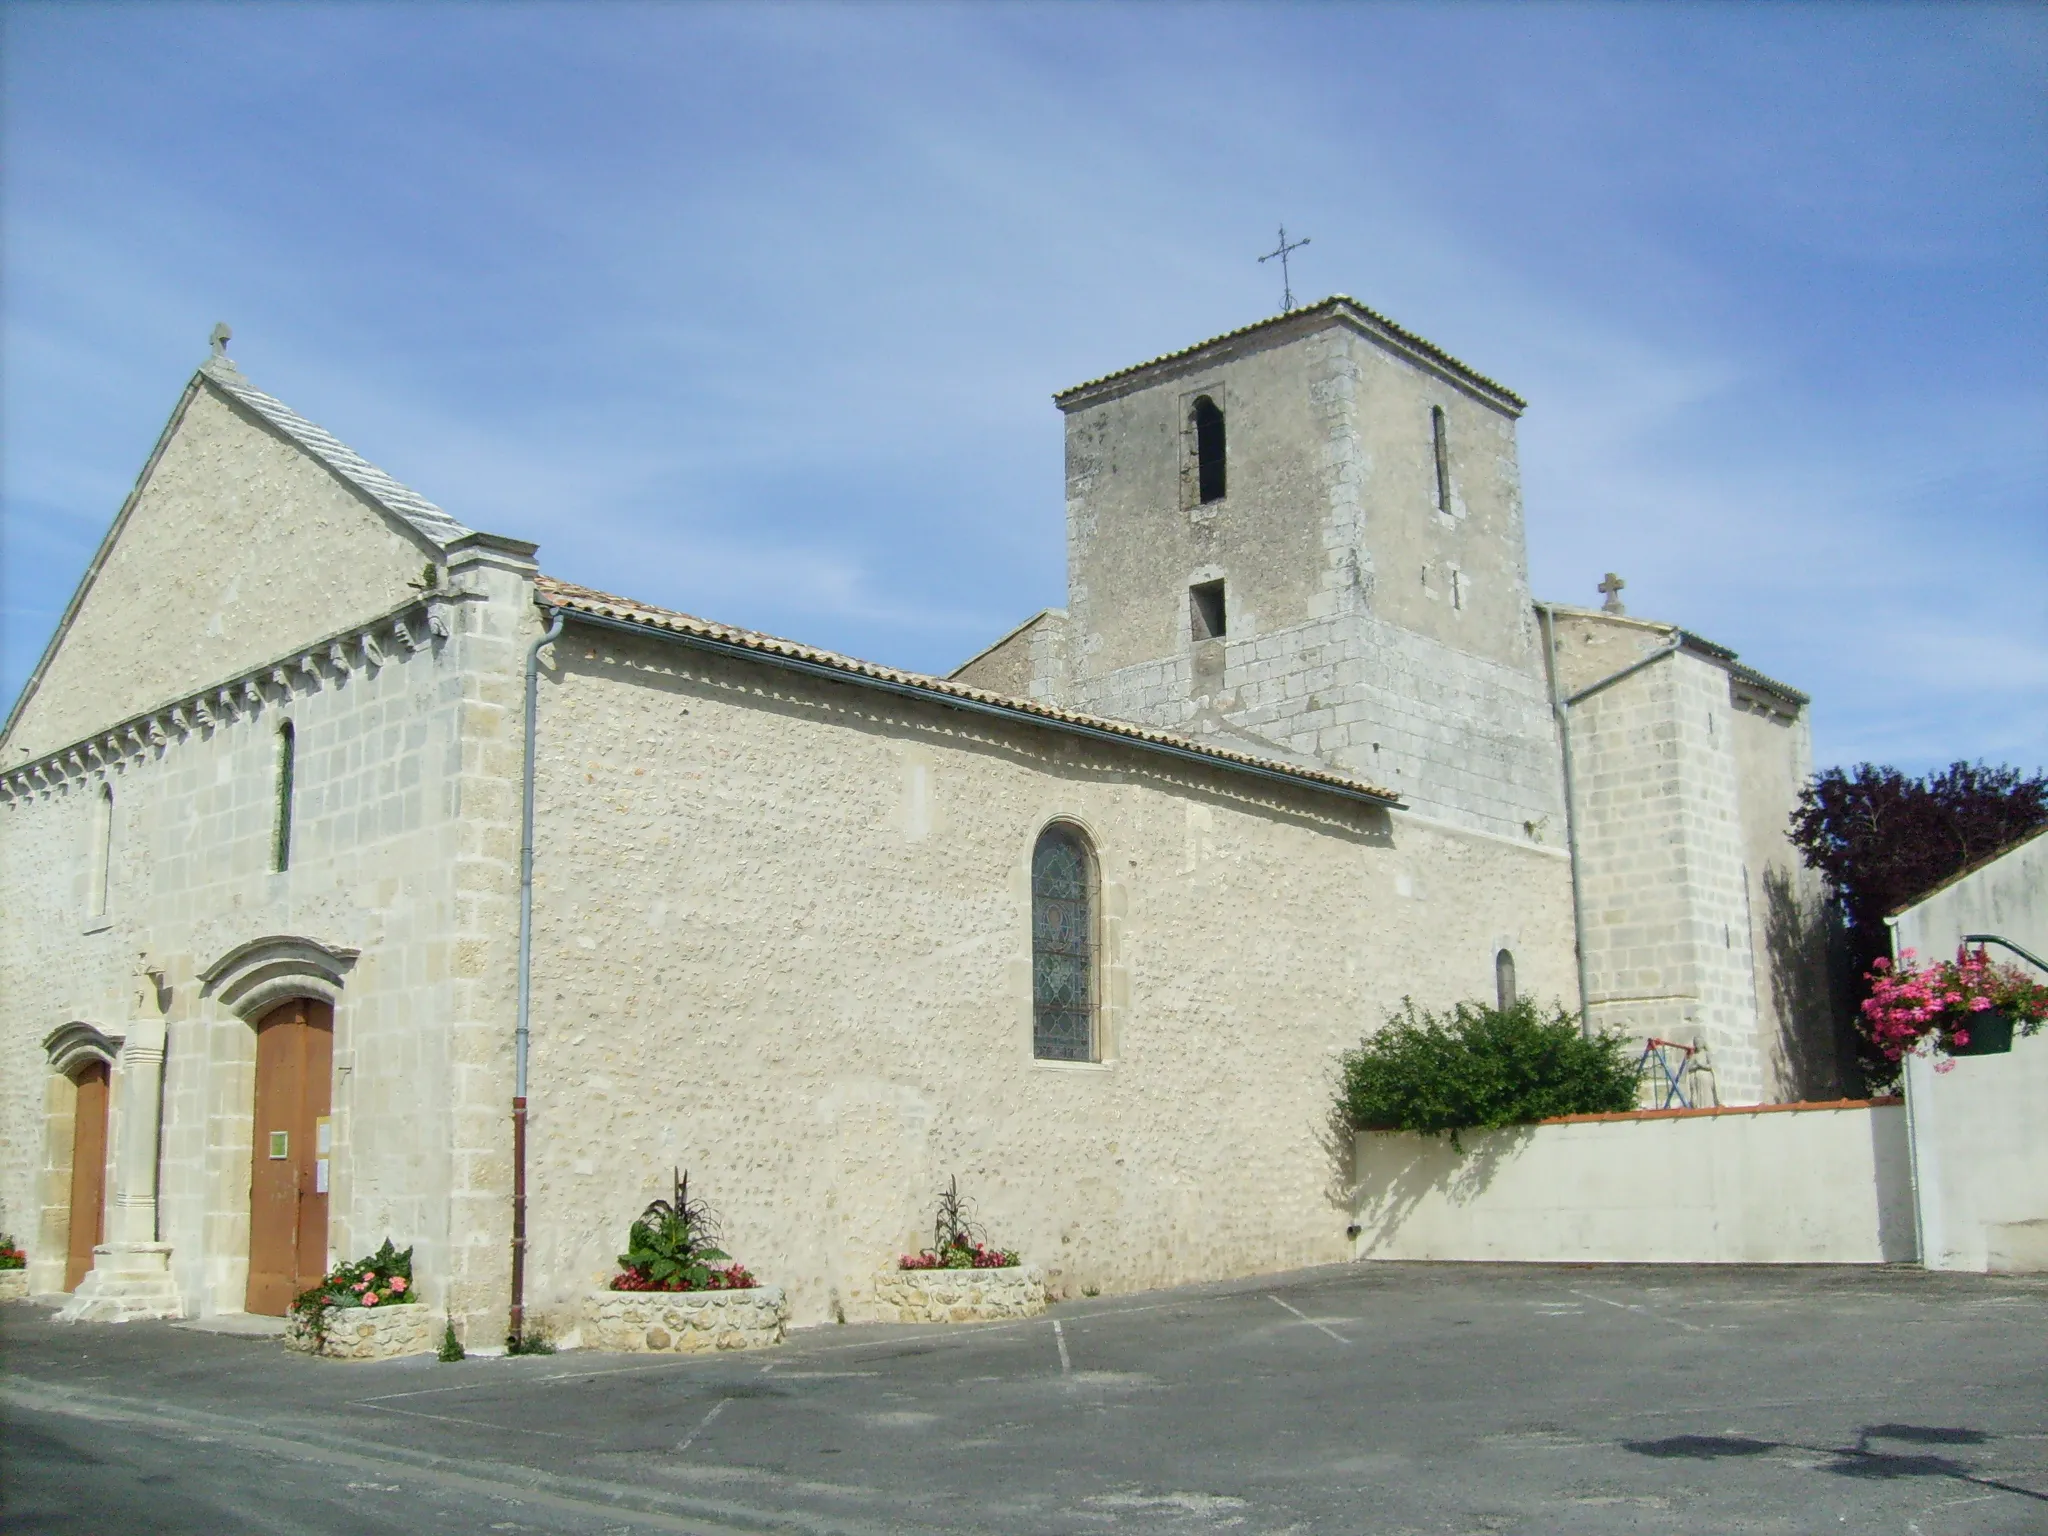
[(131, 1271)]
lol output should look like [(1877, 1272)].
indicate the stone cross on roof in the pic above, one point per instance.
[(1612, 587), (220, 337)]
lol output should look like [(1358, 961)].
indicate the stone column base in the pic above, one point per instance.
[(128, 1282)]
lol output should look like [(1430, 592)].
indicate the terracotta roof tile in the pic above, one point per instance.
[(1334, 305)]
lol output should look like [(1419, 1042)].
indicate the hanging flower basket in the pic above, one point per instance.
[(1967, 1006), (1990, 1035)]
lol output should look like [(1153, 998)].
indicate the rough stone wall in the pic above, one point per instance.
[(1463, 739), (1368, 630), (1787, 913), (1030, 662), (156, 622), (1667, 910), (783, 941), (403, 847)]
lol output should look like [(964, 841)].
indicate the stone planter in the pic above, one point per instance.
[(367, 1333), (685, 1322), (959, 1295), (13, 1285)]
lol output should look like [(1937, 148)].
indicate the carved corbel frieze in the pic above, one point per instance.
[(201, 715), (310, 665), (402, 631), (372, 654), (228, 705), (179, 721), (252, 695), (76, 762), (437, 620), (282, 681), (337, 658), (153, 728)]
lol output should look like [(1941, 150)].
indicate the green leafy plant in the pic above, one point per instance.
[(957, 1241), (451, 1347), (531, 1342), (1479, 1067), (11, 1256), (384, 1279), (671, 1248)]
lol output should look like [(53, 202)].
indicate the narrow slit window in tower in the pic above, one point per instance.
[(1504, 979), (1206, 617), (1443, 458), (281, 838), (1209, 450)]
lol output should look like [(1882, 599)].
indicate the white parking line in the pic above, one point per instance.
[(703, 1424), (1307, 1319), (1656, 1317), (1059, 1336)]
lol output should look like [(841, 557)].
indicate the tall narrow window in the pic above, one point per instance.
[(1442, 446), (1504, 979), (102, 871), (1207, 619), (281, 836), (1208, 449), (1062, 946)]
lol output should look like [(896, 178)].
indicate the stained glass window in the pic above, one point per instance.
[(1062, 946)]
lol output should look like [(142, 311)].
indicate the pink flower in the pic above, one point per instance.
[(1980, 1005), (398, 1284), (1946, 1064), (370, 1300)]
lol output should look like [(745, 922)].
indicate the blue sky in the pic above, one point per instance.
[(755, 312)]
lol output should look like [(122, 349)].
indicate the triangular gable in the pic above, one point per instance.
[(249, 531)]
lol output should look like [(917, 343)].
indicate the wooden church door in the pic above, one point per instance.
[(88, 1172), (288, 1174)]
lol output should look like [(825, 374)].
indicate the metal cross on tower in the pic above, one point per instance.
[(1286, 285)]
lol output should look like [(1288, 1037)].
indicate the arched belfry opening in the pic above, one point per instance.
[(1209, 456)]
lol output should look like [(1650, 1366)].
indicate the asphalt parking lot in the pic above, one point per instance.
[(1366, 1398)]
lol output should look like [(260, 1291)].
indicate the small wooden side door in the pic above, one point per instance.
[(287, 1190), (88, 1172)]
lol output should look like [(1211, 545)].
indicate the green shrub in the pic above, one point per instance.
[(1480, 1067)]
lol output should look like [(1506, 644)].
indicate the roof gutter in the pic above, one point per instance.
[(973, 706)]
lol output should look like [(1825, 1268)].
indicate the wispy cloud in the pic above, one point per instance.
[(755, 310)]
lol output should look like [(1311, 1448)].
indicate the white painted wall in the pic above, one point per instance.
[(1768, 1186), (1980, 1140), (1980, 1159)]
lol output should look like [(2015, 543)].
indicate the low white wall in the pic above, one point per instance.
[(1783, 1184), (1980, 1159)]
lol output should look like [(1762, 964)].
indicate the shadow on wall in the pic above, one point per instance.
[(1817, 1043), (1398, 1172)]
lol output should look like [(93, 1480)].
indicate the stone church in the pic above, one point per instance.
[(358, 879)]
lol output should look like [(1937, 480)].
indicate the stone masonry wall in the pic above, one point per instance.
[(191, 878), (1668, 937), (1461, 739), (260, 516), (782, 940)]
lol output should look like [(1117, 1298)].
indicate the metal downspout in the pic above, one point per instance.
[(1571, 815), (1560, 705), (520, 1035)]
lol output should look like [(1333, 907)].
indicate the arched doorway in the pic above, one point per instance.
[(88, 1170), (289, 1155)]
